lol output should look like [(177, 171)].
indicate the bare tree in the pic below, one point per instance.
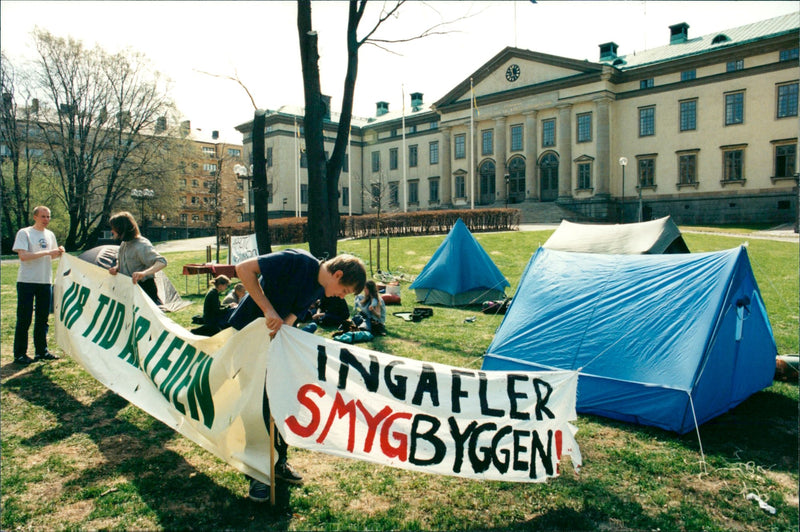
[(103, 120), (323, 175)]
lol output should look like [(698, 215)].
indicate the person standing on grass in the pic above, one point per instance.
[(280, 287), (137, 257), (36, 247)]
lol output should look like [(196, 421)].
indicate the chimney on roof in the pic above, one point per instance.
[(416, 101), (381, 108), (608, 51), (678, 33)]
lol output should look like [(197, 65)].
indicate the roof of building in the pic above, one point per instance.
[(693, 46)]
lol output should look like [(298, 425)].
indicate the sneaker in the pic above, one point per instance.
[(22, 360), (259, 492), (285, 472), (47, 355)]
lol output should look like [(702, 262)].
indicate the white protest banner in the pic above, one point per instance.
[(208, 389), (357, 403), (243, 247)]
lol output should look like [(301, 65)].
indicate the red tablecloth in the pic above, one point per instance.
[(214, 269)]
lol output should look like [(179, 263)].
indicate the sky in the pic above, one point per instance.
[(257, 42)]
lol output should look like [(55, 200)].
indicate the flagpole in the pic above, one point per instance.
[(471, 146), (405, 185), (296, 169), (349, 175)]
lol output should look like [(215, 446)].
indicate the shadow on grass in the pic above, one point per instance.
[(178, 494)]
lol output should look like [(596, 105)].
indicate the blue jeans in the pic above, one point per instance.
[(32, 296)]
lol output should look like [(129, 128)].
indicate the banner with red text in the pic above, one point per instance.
[(357, 403), (208, 389)]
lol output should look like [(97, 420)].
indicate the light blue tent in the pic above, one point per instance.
[(459, 273), (664, 340)]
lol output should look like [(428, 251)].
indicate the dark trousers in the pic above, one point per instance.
[(150, 288), (32, 296)]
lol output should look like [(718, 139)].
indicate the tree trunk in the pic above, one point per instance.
[(260, 192)]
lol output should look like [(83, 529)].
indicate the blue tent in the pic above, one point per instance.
[(459, 273), (664, 340)]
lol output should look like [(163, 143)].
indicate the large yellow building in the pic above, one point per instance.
[(704, 129)]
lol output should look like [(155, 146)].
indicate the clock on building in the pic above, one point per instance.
[(512, 72)]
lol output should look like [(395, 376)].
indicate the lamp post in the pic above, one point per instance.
[(640, 197), (507, 177), (242, 172), (142, 194), (623, 162)]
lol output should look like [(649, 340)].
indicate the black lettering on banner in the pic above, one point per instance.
[(460, 439), (483, 390), (396, 385), (501, 465), (456, 392), (479, 465), (541, 400), (513, 395), (520, 449), (427, 384), (537, 447), (439, 448), (322, 361), (347, 360)]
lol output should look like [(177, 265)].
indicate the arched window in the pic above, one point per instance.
[(516, 179), (486, 171)]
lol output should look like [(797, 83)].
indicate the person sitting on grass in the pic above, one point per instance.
[(234, 296), (371, 309), (331, 312)]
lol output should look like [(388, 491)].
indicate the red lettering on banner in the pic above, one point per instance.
[(401, 450), (372, 423), (308, 402)]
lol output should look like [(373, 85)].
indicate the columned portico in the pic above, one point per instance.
[(565, 151)]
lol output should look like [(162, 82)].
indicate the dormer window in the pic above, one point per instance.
[(720, 38)]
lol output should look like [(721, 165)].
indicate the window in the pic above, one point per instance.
[(346, 163), (789, 55), (734, 108), (183, 200), (269, 193), (239, 185), (195, 200), (688, 75), (785, 160), (208, 151), (394, 194), (487, 142), (304, 193), (195, 183), (184, 218), (393, 133), (182, 183), (345, 196), (195, 217), (376, 194), (208, 217), (688, 115), (647, 172), (303, 159), (584, 127), (585, 175), (210, 168), (376, 161), (461, 186), (434, 125), (646, 83), (516, 137), (787, 100), (433, 190), (269, 156), (460, 146), (413, 191), (733, 66), (412, 156), (433, 149), (687, 169), (733, 165), (548, 132), (647, 121), (393, 159), (234, 152)]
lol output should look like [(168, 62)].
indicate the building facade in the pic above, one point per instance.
[(703, 129)]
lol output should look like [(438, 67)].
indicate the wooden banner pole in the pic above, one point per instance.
[(271, 460)]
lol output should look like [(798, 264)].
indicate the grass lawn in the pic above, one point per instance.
[(76, 456)]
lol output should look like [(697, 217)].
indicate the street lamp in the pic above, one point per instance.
[(142, 194), (507, 179), (639, 178), (242, 172), (623, 162)]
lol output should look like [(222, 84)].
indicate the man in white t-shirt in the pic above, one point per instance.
[(36, 247)]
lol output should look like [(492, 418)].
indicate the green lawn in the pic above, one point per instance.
[(76, 456)]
